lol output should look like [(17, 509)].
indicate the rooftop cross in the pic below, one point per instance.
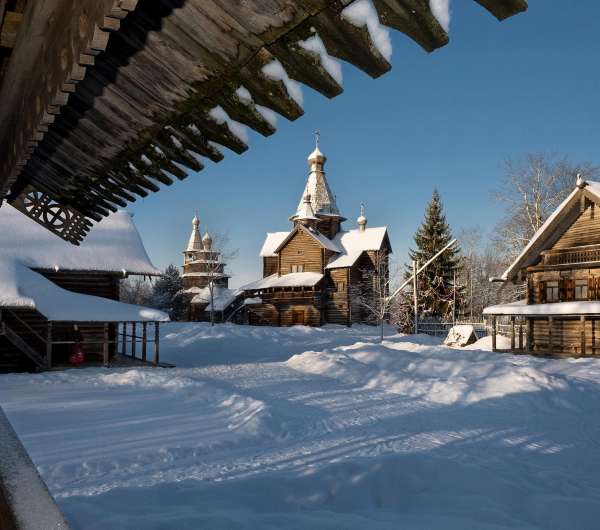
[(317, 134), (362, 207)]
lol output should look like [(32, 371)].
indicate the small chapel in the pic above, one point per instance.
[(202, 265), (309, 271)]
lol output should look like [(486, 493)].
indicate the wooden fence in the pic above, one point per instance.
[(439, 327)]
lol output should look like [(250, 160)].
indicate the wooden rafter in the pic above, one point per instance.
[(123, 94)]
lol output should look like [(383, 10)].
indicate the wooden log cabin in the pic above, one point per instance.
[(560, 270), (103, 100), (308, 272), (47, 285)]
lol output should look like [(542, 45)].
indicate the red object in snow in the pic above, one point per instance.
[(75, 358)]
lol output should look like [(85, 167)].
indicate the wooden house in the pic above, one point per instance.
[(308, 272), (47, 285), (560, 269)]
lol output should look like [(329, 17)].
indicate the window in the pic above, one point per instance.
[(581, 289), (552, 291), (341, 286), (297, 268)]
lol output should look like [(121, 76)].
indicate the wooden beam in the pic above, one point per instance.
[(144, 340), (124, 339), (582, 334), (494, 333), (512, 332), (10, 29), (49, 346), (550, 335), (502, 9), (156, 344), (105, 345), (133, 339), (520, 333), (530, 325)]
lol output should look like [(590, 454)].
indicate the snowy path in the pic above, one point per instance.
[(360, 435)]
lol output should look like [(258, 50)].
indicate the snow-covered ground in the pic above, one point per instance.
[(317, 428)]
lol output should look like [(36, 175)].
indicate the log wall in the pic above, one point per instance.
[(567, 335), (270, 266), (301, 249), (105, 285), (338, 301), (584, 231)]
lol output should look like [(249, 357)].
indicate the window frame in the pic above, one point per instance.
[(551, 290), (583, 286)]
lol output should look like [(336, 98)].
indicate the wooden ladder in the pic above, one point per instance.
[(22, 345)]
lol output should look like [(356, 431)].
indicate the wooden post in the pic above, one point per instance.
[(124, 339), (49, 346), (512, 333), (105, 343), (530, 334), (520, 333), (550, 336), (416, 296), (144, 336), (582, 334), (493, 332), (156, 346), (133, 340)]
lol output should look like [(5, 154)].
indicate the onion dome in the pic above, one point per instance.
[(362, 220), (194, 242), (580, 182), (316, 157), (207, 240)]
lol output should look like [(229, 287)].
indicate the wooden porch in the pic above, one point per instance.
[(551, 336), (26, 335)]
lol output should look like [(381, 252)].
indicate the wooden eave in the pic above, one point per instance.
[(103, 100)]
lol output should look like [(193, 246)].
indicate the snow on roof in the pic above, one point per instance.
[(555, 308), (23, 288), (591, 186), (353, 243), (460, 335), (113, 244), (294, 279), (203, 274), (222, 297), (274, 239), (320, 238)]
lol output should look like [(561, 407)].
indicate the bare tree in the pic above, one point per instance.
[(372, 293), (216, 257), (135, 291), (531, 187), (470, 240)]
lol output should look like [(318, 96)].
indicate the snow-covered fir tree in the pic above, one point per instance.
[(167, 294), (435, 282)]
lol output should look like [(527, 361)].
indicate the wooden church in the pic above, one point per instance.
[(560, 270), (308, 272)]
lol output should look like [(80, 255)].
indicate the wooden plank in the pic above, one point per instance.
[(10, 29), (49, 347), (493, 332), (502, 9), (156, 344)]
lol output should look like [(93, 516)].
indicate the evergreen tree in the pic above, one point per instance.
[(167, 294), (435, 282)]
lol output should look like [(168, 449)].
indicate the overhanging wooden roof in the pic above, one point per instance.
[(104, 99)]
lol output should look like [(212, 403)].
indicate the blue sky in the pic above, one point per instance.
[(443, 119)]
